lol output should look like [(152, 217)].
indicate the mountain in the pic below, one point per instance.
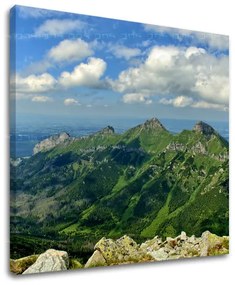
[(144, 182)]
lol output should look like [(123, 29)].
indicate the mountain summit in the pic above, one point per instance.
[(107, 131), (154, 123), (204, 128)]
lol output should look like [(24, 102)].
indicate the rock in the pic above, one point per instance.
[(204, 128), (51, 142), (199, 148), (171, 242), (18, 266), (192, 239), (106, 131), (183, 236), (153, 123), (51, 260), (151, 245), (159, 255), (212, 244), (176, 147), (15, 162), (123, 250), (95, 260)]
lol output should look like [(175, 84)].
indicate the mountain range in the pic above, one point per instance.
[(142, 183)]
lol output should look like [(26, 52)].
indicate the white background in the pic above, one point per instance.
[(209, 16)]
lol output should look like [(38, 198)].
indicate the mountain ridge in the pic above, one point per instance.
[(145, 180)]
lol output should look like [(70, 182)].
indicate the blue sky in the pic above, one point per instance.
[(64, 64)]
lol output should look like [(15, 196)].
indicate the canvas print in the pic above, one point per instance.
[(119, 142)]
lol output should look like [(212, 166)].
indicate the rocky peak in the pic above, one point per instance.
[(51, 142), (153, 123), (203, 128), (107, 131)]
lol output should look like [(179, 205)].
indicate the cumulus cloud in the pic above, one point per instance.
[(59, 27), (85, 74), (41, 99), (70, 50), (170, 70), (71, 101), (121, 51), (136, 98), (64, 52), (34, 83)]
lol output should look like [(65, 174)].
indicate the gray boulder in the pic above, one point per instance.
[(122, 251), (51, 260), (211, 244)]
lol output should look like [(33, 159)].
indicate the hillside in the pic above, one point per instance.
[(142, 183)]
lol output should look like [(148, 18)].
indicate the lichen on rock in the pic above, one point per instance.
[(18, 266)]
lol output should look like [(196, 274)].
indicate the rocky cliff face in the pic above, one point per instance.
[(204, 128), (51, 142), (153, 123), (106, 131), (125, 250)]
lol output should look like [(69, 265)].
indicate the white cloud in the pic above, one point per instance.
[(121, 51), (70, 50), (34, 83), (206, 105), (179, 102), (59, 27), (66, 51), (167, 30), (136, 98), (84, 74), (178, 71), (71, 101), (214, 41), (184, 101), (41, 99), (213, 87), (194, 51)]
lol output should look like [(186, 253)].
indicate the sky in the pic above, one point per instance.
[(69, 65)]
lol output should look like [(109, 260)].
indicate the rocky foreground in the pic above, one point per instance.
[(125, 250)]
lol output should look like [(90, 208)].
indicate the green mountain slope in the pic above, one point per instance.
[(144, 182)]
